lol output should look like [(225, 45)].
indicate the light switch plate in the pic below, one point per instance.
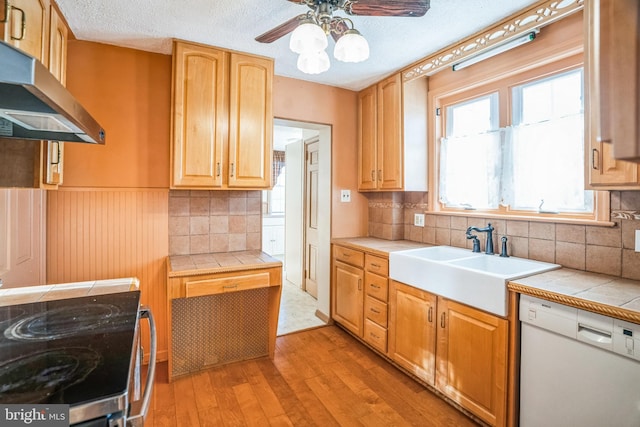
[(345, 196), (637, 240), (418, 220)]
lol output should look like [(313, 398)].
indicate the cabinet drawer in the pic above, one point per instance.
[(376, 264), (375, 335), (196, 288), (376, 286), (349, 256), (376, 311)]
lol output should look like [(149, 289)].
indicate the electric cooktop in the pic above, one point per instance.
[(69, 351)]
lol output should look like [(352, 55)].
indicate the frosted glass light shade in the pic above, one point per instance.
[(308, 36), (351, 47), (313, 62)]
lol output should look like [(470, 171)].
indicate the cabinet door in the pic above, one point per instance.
[(389, 148), (611, 105), (367, 131), (53, 151), (605, 172), (412, 330), (348, 297), (27, 26), (471, 360), (199, 116), (250, 121)]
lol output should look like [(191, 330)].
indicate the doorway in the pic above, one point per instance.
[(296, 227)]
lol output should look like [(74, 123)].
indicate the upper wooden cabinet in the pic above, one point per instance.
[(36, 27), (392, 145), (612, 107), (222, 119), (27, 26)]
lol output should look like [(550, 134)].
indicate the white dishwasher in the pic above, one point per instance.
[(577, 368)]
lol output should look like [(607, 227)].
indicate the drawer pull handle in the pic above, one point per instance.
[(373, 175), (595, 159), (230, 286), (430, 314), (375, 265), (373, 310), (218, 169), (442, 323), (374, 286), (374, 336), (346, 255), (359, 284)]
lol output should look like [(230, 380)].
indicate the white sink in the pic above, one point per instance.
[(476, 279)]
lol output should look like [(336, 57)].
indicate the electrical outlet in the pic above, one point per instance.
[(345, 196), (637, 240), (418, 220)]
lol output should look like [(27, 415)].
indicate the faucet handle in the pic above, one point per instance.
[(503, 250), (476, 243)]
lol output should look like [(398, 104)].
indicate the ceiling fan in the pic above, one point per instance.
[(310, 30), (323, 9)]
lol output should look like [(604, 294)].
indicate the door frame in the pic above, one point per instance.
[(324, 221)]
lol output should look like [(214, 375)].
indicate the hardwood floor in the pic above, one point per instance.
[(319, 377)]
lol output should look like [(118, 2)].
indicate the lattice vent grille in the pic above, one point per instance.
[(217, 329)]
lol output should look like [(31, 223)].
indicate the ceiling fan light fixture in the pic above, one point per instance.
[(351, 47), (313, 62), (308, 37)]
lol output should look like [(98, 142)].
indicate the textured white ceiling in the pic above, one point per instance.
[(233, 24)]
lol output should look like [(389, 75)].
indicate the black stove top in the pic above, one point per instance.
[(70, 351)]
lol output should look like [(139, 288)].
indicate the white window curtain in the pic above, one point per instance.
[(470, 169), (548, 171)]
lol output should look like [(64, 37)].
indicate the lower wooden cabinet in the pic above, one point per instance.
[(412, 330), (471, 360), (460, 350), (347, 299)]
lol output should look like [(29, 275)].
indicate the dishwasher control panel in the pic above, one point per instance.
[(626, 338), (607, 333)]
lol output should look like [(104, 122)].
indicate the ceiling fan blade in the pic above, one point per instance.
[(406, 8), (281, 30)]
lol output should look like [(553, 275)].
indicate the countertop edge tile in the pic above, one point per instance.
[(588, 299), (376, 246)]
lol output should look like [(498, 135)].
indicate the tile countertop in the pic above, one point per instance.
[(607, 295), (377, 246), (190, 265), (27, 294)]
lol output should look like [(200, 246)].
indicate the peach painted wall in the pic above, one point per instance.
[(129, 93), (310, 102)]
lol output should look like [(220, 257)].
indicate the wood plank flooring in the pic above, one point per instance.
[(319, 377)]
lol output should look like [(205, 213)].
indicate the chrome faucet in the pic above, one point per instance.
[(488, 247)]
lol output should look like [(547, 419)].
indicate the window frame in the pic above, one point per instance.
[(504, 84)]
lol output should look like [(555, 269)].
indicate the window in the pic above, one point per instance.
[(533, 164)]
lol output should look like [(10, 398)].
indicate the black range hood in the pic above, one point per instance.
[(35, 105)]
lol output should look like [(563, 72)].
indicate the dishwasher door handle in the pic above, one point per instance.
[(142, 407), (591, 334)]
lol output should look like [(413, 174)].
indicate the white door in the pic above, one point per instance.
[(311, 218), (294, 209), (22, 242)]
